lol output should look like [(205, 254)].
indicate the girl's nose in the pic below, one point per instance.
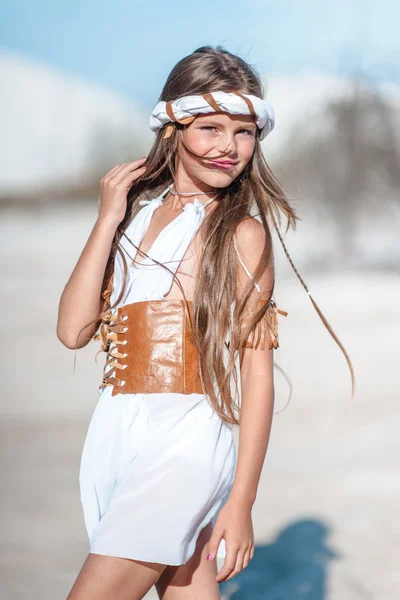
[(227, 143)]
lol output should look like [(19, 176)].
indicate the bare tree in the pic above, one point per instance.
[(350, 168)]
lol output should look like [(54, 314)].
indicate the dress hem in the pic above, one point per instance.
[(157, 562)]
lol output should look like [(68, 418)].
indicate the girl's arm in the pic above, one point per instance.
[(255, 423), (256, 374), (234, 522), (81, 302)]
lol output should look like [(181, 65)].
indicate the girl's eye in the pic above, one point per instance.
[(248, 131), (211, 128)]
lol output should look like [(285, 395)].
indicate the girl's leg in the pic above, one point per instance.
[(195, 580), (109, 577)]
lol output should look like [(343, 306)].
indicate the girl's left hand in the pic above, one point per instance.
[(235, 525)]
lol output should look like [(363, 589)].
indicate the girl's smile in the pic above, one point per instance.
[(223, 164)]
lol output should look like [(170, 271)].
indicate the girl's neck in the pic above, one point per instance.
[(185, 192)]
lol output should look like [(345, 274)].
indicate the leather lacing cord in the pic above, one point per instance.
[(184, 351), (111, 325)]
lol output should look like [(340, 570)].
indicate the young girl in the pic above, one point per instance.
[(176, 280)]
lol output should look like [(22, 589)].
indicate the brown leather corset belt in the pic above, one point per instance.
[(154, 349), (150, 347)]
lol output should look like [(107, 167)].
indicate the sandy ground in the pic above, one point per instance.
[(325, 518)]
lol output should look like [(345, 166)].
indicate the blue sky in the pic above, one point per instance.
[(131, 46)]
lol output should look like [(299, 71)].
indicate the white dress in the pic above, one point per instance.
[(155, 468)]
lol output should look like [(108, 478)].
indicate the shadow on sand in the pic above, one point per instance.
[(294, 566)]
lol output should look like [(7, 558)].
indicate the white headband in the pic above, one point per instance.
[(184, 110)]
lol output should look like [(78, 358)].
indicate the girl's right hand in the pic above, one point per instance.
[(114, 189)]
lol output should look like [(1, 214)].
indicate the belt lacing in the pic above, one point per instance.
[(111, 326)]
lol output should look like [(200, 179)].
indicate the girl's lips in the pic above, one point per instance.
[(223, 165)]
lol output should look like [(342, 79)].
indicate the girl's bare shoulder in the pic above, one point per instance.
[(250, 235)]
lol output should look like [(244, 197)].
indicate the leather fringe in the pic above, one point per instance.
[(265, 334)]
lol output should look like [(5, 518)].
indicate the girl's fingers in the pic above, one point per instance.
[(119, 170), (111, 172), (238, 565), (229, 564), (132, 176), (213, 543), (247, 557), (137, 173), (136, 164), (128, 169)]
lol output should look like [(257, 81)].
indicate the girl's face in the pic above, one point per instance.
[(209, 135)]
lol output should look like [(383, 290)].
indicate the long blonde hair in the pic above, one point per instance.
[(207, 70)]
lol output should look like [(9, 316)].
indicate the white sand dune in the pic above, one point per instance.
[(57, 127)]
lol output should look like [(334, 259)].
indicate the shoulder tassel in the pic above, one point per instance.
[(265, 334)]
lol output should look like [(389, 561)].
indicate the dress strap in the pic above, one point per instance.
[(165, 192), (157, 200), (244, 266), (209, 201)]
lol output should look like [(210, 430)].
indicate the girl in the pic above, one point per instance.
[(176, 280)]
